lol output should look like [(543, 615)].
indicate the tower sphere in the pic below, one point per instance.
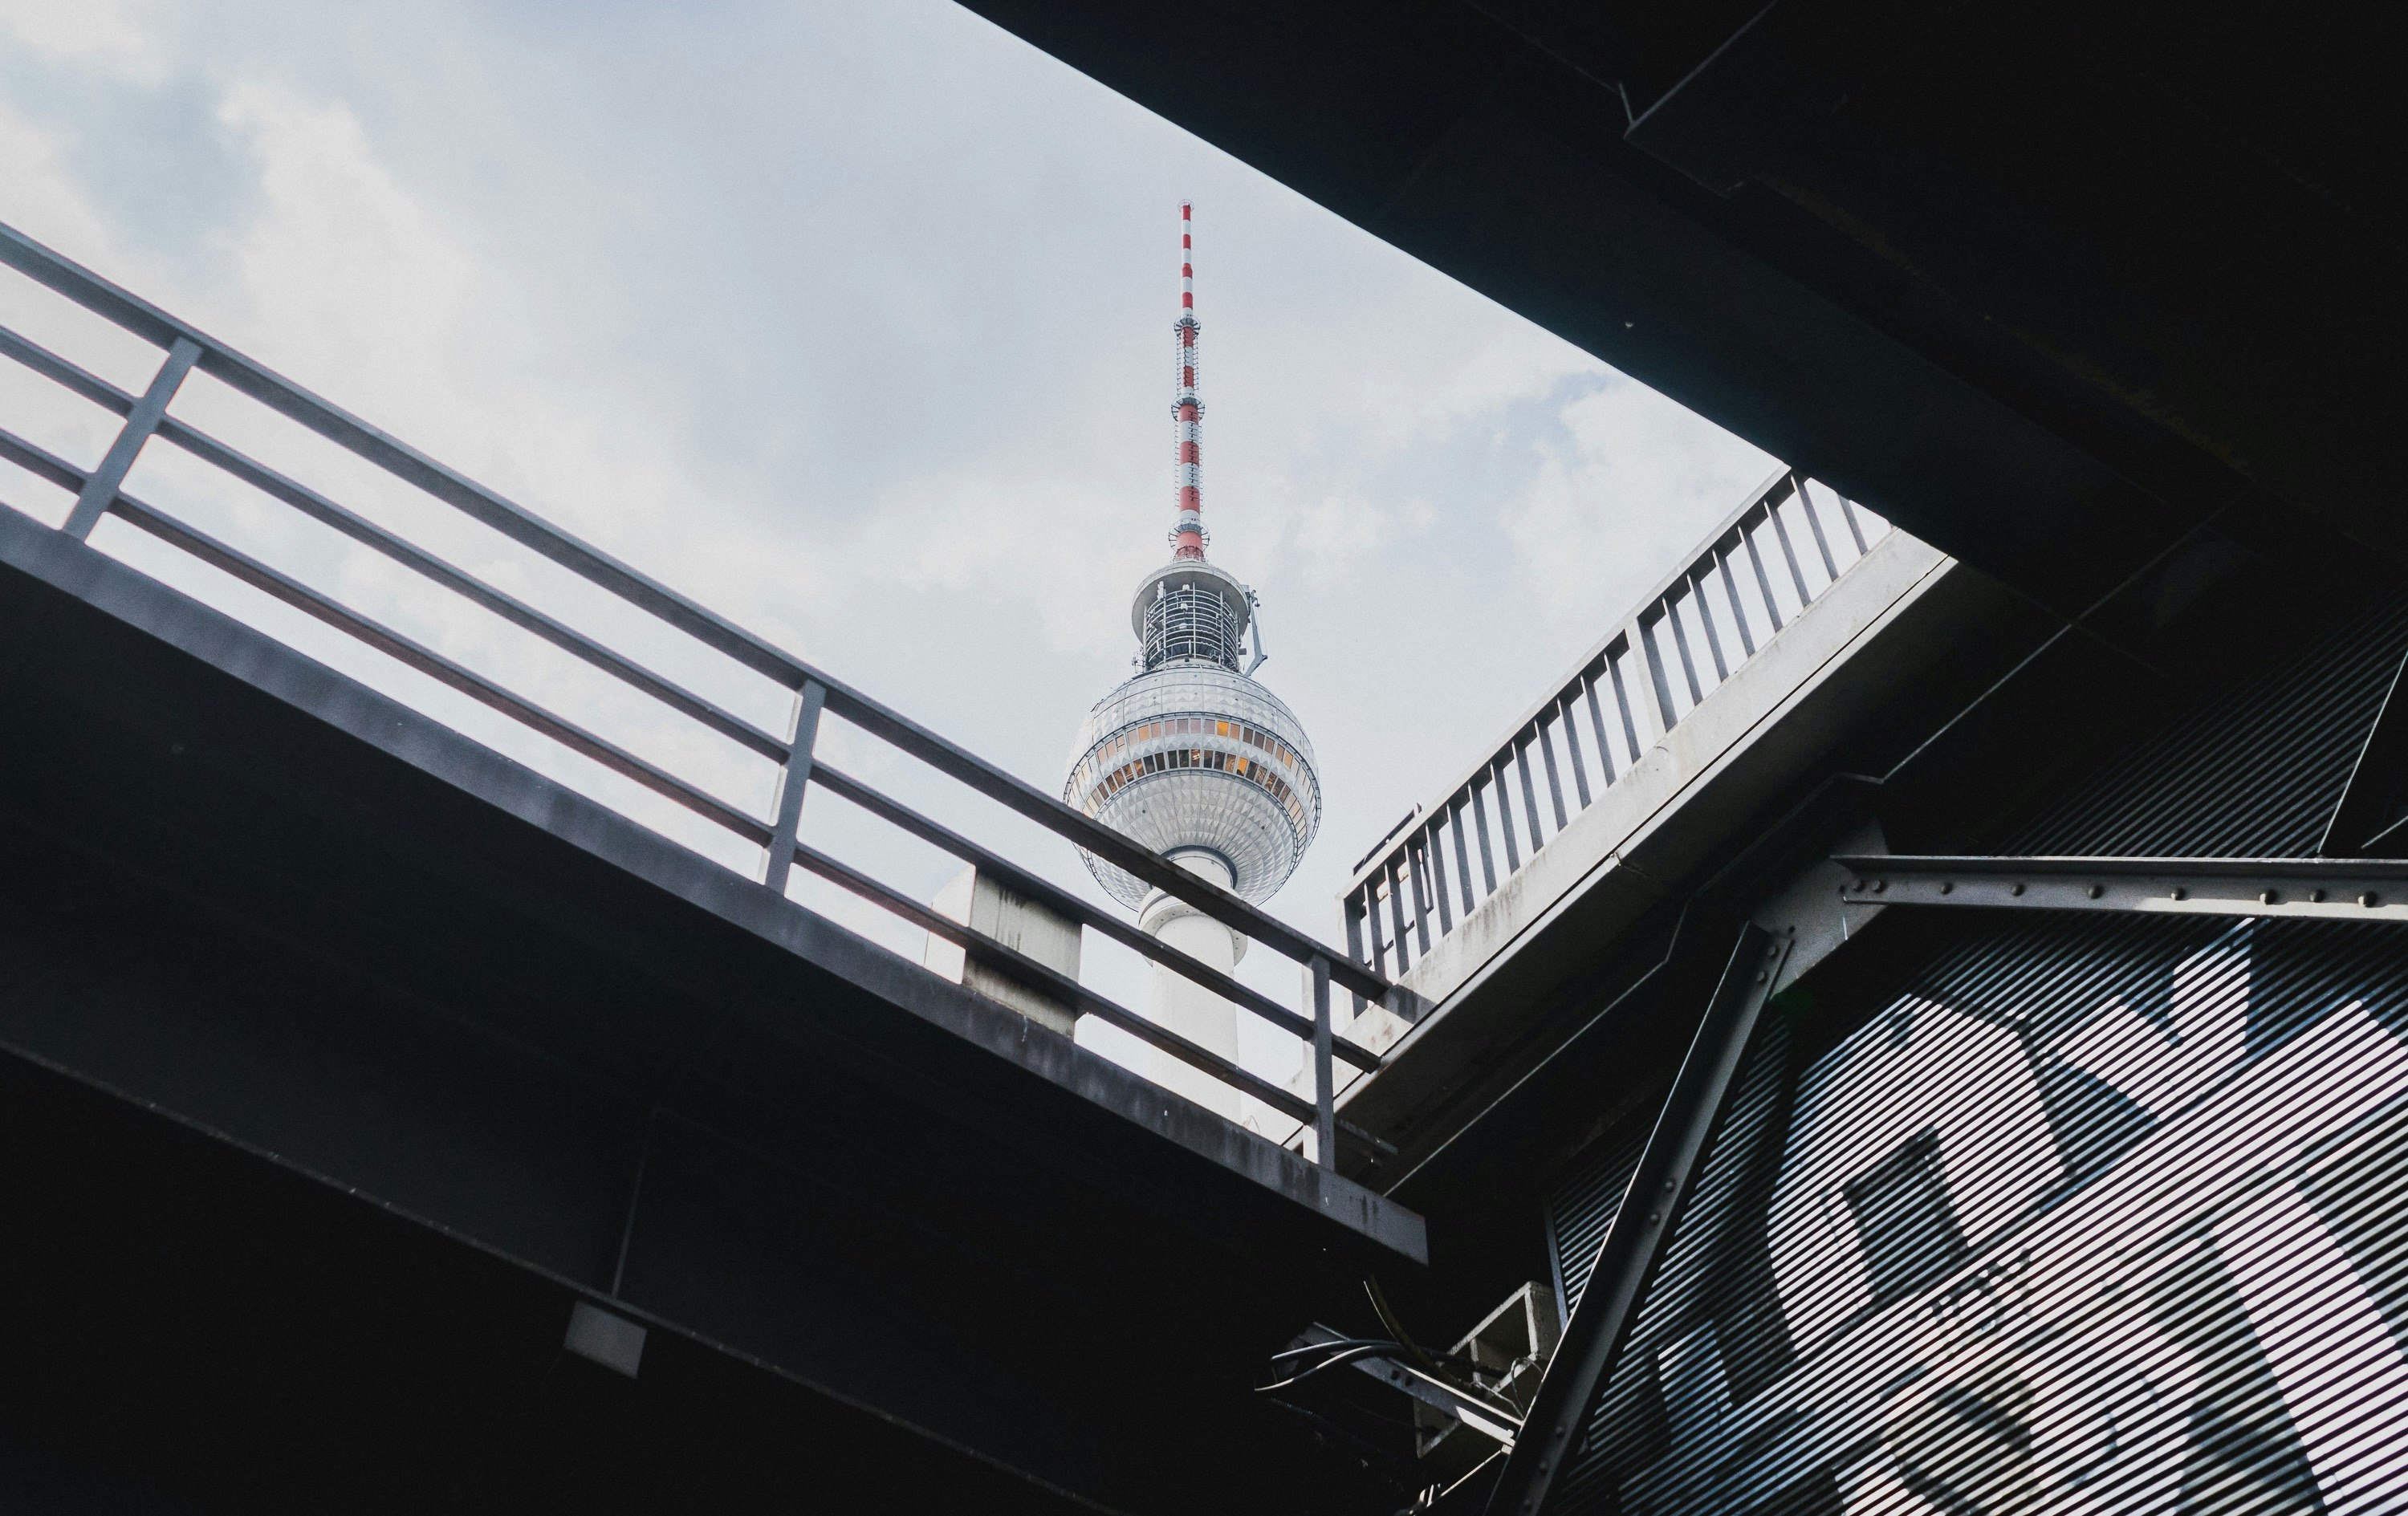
[(1192, 757)]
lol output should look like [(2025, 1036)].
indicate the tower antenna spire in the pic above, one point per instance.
[(1187, 406)]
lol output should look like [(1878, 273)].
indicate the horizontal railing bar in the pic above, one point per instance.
[(40, 461), (1062, 902), (1039, 977), (64, 374), (435, 666), (397, 458), (361, 530), (1095, 836), (251, 379)]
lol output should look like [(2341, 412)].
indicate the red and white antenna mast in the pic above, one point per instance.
[(1188, 535)]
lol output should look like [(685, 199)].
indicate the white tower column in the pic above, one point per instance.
[(1178, 1004)]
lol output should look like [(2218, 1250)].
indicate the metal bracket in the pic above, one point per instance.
[(2321, 889), (1492, 1422), (1634, 1243), (1815, 914)]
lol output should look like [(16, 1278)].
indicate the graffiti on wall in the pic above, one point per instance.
[(2095, 1220)]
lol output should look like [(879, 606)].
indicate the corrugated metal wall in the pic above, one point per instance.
[(2092, 1215)]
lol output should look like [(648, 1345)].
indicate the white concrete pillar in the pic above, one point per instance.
[(1019, 924), (1178, 1004)]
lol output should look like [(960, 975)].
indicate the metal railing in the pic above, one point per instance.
[(1773, 557), (99, 493)]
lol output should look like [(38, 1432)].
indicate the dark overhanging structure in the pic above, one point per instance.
[(2078, 294), (2017, 280), (2034, 284)]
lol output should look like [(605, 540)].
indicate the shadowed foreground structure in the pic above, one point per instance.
[(1912, 1023)]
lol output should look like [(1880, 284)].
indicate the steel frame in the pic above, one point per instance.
[(2320, 889), (1634, 1243)]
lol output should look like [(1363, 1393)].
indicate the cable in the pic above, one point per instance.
[(1348, 1355)]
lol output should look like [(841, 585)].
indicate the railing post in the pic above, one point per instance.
[(1822, 543), (1356, 909), (101, 485), (1324, 1086), (1646, 641), (790, 788)]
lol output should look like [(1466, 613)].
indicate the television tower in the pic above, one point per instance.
[(1191, 757)]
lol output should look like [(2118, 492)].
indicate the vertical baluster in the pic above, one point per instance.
[(1622, 703), (1396, 911), (1379, 946), (1763, 579), (1656, 669), (101, 485), (1571, 718), (1354, 912), (1462, 862), (1555, 782), (1730, 589), (1487, 860), (1597, 724), (1505, 815), (1437, 846), (1681, 641), (1417, 864), (1796, 575), (1706, 618), (1848, 514), (1822, 543), (1529, 791), (1325, 1081), (797, 778)]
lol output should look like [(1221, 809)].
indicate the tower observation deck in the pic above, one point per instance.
[(1191, 756)]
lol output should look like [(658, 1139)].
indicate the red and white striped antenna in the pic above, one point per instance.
[(1188, 537)]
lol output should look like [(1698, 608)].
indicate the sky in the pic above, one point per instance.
[(850, 323)]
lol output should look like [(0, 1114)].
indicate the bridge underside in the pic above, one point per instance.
[(331, 1088)]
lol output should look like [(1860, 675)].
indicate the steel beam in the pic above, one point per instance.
[(1634, 1243), (2320, 889)]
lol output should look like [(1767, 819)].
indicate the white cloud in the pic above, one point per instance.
[(1632, 482), (92, 34)]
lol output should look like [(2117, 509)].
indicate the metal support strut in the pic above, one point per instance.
[(1600, 1324), (2321, 889)]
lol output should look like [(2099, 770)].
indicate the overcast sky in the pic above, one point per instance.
[(852, 321)]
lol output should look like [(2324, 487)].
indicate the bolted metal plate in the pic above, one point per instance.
[(2340, 889)]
